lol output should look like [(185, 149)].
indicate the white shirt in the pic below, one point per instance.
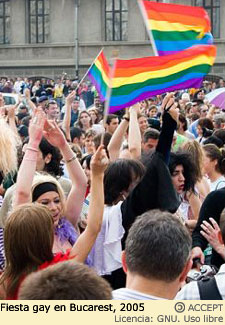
[(191, 292), (128, 294), (218, 184)]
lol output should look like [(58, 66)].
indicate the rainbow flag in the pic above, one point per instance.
[(138, 79), (99, 74), (173, 28)]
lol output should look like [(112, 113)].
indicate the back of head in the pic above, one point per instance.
[(65, 281), (214, 140), (54, 165), (28, 236), (194, 148), (119, 176), (28, 241), (220, 134), (158, 246)]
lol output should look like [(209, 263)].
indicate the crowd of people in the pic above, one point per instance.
[(109, 206)]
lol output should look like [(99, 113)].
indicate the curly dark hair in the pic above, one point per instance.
[(184, 158)]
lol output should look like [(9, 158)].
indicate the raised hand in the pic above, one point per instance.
[(53, 134), (99, 161), (169, 105), (36, 127), (212, 233), (70, 97), (27, 93)]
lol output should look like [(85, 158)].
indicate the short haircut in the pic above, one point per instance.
[(220, 134), (158, 246), (151, 134), (214, 140), (110, 117), (65, 281), (75, 133), (106, 139)]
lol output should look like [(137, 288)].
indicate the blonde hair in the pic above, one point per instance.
[(195, 149), (8, 149), (40, 178)]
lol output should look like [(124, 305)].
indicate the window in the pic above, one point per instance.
[(4, 21), (116, 20), (213, 9), (38, 21)]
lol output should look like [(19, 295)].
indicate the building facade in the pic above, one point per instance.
[(45, 38)]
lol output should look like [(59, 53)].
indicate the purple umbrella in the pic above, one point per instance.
[(217, 97)]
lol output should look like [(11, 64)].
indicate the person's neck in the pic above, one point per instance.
[(86, 127), (213, 176), (157, 288), (181, 131)]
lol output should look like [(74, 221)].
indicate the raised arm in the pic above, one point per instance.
[(155, 190), (29, 102), (117, 139), (170, 118), (134, 135), (12, 120), (67, 115), (28, 165), (87, 239), (76, 196)]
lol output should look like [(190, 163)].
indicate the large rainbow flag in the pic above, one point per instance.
[(138, 79), (99, 74), (173, 28)]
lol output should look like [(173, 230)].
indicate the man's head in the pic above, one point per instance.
[(76, 104), (77, 136), (158, 248), (112, 123), (52, 110), (150, 140), (42, 101), (65, 281), (221, 83)]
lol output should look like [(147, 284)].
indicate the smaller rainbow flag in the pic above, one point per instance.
[(138, 79), (99, 74), (173, 28)]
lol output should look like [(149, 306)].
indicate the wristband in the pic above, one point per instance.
[(32, 149), (71, 159)]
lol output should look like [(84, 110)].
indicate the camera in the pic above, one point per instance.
[(205, 271)]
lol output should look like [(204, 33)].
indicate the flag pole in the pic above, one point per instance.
[(108, 93), (85, 75), (149, 31)]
